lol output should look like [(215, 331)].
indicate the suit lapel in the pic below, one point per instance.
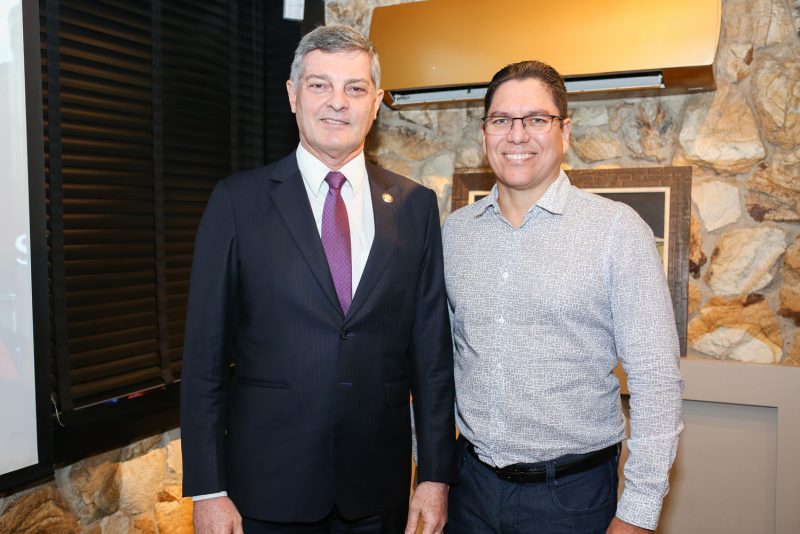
[(291, 202), (384, 210)]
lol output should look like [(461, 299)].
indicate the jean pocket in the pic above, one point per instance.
[(588, 491)]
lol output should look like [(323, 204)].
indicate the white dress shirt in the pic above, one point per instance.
[(357, 200)]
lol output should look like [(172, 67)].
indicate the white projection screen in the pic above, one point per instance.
[(24, 425)]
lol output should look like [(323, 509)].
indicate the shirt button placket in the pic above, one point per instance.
[(502, 307)]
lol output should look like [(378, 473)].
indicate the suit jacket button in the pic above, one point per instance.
[(345, 333)]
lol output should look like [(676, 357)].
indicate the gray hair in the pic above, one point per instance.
[(334, 38)]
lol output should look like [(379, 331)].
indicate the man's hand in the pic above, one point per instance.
[(428, 503), (217, 515), (618, 526)]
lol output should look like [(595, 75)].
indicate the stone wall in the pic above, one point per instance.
[(136, 489), (742, 141)]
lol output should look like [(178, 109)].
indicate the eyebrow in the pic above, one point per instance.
[(526, 114), (327, 78), (324, 77)]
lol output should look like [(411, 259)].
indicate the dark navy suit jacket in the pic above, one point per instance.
[(316, 409)]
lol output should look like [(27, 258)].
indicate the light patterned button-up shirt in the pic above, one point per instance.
[(541, 315)]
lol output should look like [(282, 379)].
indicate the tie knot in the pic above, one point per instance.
[(335, 180)]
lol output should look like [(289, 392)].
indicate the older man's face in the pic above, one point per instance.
[(335, 102)]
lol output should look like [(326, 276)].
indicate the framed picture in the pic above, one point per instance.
[(660, 195)]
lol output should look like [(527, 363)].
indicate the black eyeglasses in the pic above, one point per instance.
[(502, 124)]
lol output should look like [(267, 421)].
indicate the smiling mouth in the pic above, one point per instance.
[(335, 122), (516, 156)]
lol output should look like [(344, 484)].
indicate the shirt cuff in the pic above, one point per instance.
[(639, 509), (209, 496)]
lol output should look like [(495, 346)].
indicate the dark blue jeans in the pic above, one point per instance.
[(481, 503)]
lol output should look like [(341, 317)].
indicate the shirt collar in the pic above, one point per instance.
[(489, 201), (314, 171), (553, 200)]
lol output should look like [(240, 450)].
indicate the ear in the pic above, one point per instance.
[(292, 95), (378, 98), (566, 125)]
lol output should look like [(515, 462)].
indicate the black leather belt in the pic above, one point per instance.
[(538, 472)]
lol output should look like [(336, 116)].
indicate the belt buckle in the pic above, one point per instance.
[(526, 469), (521, 473)]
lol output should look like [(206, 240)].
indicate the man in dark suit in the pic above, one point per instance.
[(321, 277)]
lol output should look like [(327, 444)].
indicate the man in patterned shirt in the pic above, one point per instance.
[(549, 287)]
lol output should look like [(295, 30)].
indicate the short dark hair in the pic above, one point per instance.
[(334, 38), (527, 70)]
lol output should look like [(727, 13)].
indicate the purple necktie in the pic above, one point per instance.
[(336, 239)]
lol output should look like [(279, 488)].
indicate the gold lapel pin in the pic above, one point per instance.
[(387, 198)]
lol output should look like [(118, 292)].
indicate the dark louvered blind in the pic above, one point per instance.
[(147, 105), (102, 209), (197, 134)]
